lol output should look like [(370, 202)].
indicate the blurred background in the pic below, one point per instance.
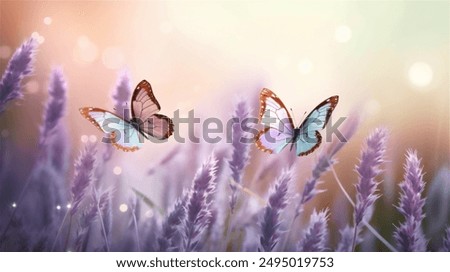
[(388, 60)]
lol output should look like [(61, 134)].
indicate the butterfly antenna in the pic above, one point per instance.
[(293, 116)]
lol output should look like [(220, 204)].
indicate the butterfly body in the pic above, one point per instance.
[(127, 135), (279, 131)]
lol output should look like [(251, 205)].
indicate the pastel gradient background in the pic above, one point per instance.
[(389, 61)]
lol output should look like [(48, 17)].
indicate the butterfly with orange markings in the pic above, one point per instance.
[(279, 130), (127, 135)]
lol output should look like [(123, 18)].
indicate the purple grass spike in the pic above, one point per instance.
[(19, 66), (122, 94), (368, 169), (55, 106), (240, 155), (172, 223), (346, 239), (409, 235), (198, 206), (316, 235), (84, 170), (270, 225)]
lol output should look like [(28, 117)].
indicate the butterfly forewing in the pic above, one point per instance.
[(144, 109), (309, 137), (119, 132), (279, 128), (143, 102)]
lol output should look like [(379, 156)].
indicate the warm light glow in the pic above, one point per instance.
[(420, 74), (68, 206), (305, 66), (117, 170), (123, 207), (84, 138), (48, 20), (85, 50), (343, 34), (92, 138), (40, 39), (113, 57), (5, 52)]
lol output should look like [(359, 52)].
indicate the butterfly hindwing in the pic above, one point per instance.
[(278, 125), (309, 137), (120, 132), (158, 126)]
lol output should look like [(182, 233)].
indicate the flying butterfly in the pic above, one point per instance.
[(145, 121), (280, 130)]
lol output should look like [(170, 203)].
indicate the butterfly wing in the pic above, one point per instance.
[(119, 132), (309, 137), (279, 128), (144, 109)]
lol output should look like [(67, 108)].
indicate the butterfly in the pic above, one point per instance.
[(279, 130), (145, 121)]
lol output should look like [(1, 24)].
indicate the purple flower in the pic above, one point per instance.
[(368, 169), (19, 66), (316, 235), (346, 241), (409, 235), (121, 95), (271, 220), (198, 206), (446, 241), (55, 105), (88, 217), (240, 155), (172, 222), (84, 170)]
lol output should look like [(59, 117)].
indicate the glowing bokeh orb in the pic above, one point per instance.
[(343, 34), (48, 20), (117, 170), (123, 207), (420, 74)]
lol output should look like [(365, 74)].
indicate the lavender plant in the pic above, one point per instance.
[(54, 110), (19, 66), (315, 238), (122, 94), (198, 211), (271, 221), (368, 169), (172, 224), (409, 234), (240, 155)]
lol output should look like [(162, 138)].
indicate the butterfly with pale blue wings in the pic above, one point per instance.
[(279, 130), (145, 121)]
